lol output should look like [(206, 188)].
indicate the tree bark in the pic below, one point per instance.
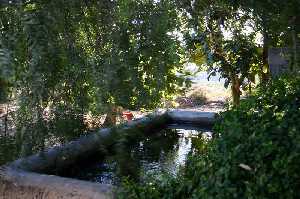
[(111, 116), (265, 70), (295, 44), (235, 90)]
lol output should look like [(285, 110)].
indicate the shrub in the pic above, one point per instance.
[(198, 97), (255, 152)]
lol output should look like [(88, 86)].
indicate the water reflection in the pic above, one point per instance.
[(133, 156), (8, 149), (11, 146), (164, 151)]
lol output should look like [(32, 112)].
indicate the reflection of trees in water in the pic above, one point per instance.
[(200, 143), (38, 136), (42, 135), (131, 155), (67, 127), (8, 149)]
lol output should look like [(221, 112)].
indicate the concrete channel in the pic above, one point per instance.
[(28, 178)]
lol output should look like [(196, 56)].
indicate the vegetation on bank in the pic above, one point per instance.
[(254, 152)]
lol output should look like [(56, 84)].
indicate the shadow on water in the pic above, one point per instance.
[(163, 151)]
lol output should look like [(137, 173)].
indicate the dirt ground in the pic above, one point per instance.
[(209, 97)]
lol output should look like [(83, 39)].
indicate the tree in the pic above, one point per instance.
[(238, 58), (278, 22), (217, 26), (229, 49), (69, 58), (140, 67)]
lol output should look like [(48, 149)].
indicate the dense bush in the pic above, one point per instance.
[(198, 97), (255, 152)]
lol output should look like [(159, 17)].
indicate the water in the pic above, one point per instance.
[(134, 156), (8, 149), (164, 151), (11, 146)]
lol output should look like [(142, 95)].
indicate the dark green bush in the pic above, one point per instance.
[(198, 97), (255, 152)]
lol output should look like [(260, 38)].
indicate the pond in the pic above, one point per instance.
[(135, 158)]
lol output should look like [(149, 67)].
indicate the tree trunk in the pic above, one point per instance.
[(6, 120), (111, 116), (235, 90), (250, 88), (110, 119), (294, 43), (265, 70)]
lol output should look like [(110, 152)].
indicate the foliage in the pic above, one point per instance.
[(198, 97), (224, 44), (238, 59), (8, 151), (64, 59), (278, 22), (254, 152), (277, 18), (224, 38), (262, 134)]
